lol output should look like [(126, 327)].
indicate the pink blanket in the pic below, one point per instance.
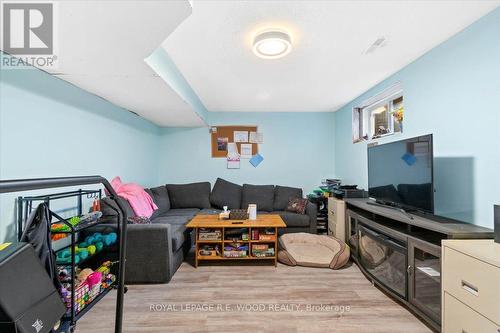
[(140, 201)]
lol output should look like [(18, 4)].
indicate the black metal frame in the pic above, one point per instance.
[(25, 204), (7, 186)]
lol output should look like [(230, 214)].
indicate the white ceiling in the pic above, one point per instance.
[(102, 46), (327, 67)]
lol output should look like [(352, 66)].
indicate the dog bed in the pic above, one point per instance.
[(312, 250)]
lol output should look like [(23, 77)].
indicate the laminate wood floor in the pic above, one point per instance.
[(249, 298)]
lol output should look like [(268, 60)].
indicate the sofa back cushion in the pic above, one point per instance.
[(194, 195), (261, 195), (160, 198), (283, 195), (108, 207), (227, 194)]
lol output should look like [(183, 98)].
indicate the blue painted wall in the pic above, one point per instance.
[(298, 150), (51, 128), (453, 92)]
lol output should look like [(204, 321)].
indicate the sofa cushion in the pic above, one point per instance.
[(294, 219), (177, 228), (173, 220), (261, 195), (226, 193), (194, 195), (188, 212), (283, 195), (108, 207), (160, 198), (178, 236), (209, 211)]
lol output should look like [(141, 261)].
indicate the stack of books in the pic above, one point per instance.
[(236, 250), (329, 185), (262, 250), (209, 234)]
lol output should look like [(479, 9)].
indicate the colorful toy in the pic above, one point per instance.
[(91, 284), (96, 205), (89, 247), (63, 273), (64, 256), (104, 268), (92, 249), (58, 236), (61, 227), (108, 281), (107, 239), (83, 275), (94, 278)]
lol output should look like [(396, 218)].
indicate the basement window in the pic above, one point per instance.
[(379, 116)]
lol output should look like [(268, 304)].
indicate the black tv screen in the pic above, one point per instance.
[(400, 173)]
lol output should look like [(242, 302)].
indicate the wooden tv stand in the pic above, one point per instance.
[(265, 221), (409, 247)]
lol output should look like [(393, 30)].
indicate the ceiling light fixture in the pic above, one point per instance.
[(272, 44)]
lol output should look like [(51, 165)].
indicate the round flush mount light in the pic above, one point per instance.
[(272, 44)]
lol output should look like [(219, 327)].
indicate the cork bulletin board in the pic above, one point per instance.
[(219, 136)]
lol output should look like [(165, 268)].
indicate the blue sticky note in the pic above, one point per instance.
[(256, 159), (410, 159)]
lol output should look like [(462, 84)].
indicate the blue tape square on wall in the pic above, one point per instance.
[(256, 159)]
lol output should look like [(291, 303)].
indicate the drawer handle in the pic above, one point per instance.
[(470, 288)]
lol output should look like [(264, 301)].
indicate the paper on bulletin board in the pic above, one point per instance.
[(233, 157), (256, 137), (233, 162), (246, 150), (222, 144), (232, 149), (240, 136)]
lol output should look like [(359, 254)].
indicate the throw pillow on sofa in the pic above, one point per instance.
[(283, 195), (297, 206), (226, 193), (160, 198), (194, 195), (261, 195), (138, 220)]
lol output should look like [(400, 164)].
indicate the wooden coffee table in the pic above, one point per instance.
[(263, 223)]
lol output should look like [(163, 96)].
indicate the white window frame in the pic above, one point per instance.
[(362, 114)]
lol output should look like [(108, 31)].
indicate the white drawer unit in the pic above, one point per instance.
[(336, 218), (470, 286), (468, 320)]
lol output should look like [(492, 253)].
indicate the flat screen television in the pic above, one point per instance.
[(400, 174)]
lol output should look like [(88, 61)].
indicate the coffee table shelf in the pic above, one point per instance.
[(268, 221)]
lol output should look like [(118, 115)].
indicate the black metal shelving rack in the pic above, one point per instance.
[(25, 207), (322, 216)]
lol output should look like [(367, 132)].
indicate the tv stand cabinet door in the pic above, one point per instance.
[(424, 277)]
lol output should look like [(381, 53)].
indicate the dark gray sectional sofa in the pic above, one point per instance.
[(156, 250)]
